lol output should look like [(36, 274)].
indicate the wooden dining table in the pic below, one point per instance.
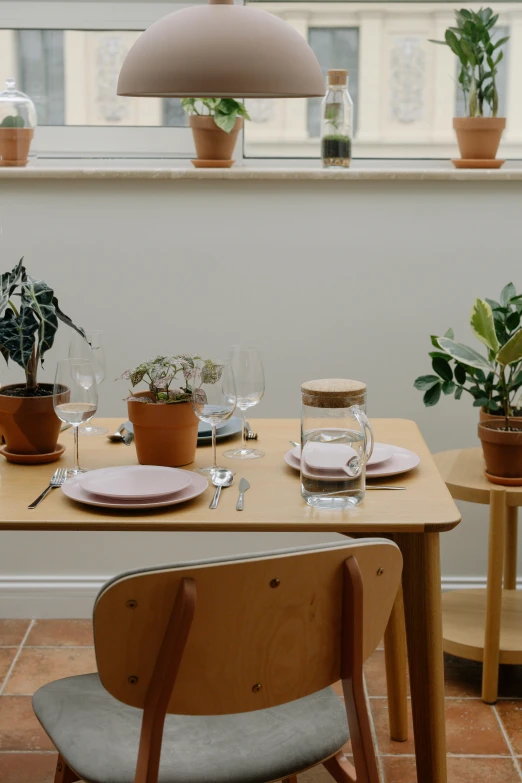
[(413, 518)]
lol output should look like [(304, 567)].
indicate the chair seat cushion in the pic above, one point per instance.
[(99, 736)]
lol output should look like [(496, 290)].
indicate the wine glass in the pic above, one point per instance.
[(91, 349), (247, 366), (213, 398), (75, 398)]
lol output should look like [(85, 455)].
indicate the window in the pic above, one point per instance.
[(67, 55)]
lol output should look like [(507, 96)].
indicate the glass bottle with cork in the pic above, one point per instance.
[(337, 121)]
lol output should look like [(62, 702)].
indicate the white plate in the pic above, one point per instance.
[(401, 461), (134, 482), (73, 490)]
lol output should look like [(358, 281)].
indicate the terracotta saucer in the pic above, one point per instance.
[(33, 459), (461, 163), (213, 164), (506, 482)]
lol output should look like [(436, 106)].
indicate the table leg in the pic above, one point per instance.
[(396, 661), (423, 613), (510, 554), (497, 517)]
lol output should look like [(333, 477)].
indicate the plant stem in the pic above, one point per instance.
[(13, 308)]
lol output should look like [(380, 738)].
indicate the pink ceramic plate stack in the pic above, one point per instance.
[(385, 461), (135, 486)]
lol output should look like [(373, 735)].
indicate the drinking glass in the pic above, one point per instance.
[(213, 399), (247, 366), (79, 378), (92, 350)]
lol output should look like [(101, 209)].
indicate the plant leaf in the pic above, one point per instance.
[(225, 121), (507, 293), (65, 318), (17, 334), (458, 392), (8, 283), (460, 374), (483, 325), (425, 382), (448, 387), (442, 367), (464, 354), (432, 396), (39, 297), (512, 350)]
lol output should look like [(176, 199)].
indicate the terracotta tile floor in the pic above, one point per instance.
[(484, 743)]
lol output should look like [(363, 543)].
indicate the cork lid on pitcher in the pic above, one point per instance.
[(333, 393)]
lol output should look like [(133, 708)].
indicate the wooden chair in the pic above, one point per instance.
[(221, 670)]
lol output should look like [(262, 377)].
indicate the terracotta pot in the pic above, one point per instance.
[(29, 424), (485, 416), (14, 146), (212, 143), (502, 450), (164, 434), (478, 137)]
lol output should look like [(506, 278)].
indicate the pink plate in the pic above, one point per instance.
[(381, 452), (198, 484), (135, 482), (401, 461)]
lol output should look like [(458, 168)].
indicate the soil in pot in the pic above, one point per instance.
[(478, 137), (502, 448), (28, 421), (164, 434), (212, 143), (336, 150)]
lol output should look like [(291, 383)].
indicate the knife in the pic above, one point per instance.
[(243, 486)]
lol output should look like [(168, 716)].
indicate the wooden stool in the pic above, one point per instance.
[(485, 625)]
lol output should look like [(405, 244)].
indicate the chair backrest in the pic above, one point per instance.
[(266, 630)]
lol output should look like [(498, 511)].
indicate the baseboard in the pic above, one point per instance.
[(73, 596)]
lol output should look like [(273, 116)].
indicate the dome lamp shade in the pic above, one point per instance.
[(221, 50)]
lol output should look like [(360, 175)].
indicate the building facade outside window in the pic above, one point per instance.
[(404, 88)]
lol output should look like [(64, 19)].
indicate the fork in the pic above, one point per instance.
[(249, 435), (59, 478)]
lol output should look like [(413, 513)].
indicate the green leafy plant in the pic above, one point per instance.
[(159, 374), (493, 380), (12, 121), (225, 111), (479, 57), (28, 329)]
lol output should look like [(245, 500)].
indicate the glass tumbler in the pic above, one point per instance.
[(336, 443)]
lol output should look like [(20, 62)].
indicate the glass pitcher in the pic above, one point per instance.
[(336, 443)]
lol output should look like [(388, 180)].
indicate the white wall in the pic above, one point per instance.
[(329, 278)]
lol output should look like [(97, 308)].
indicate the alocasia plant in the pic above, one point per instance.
[(28, 328)]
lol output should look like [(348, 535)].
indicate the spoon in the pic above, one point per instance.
[(221, 478)]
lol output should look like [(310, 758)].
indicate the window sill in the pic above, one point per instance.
[(430, 170)]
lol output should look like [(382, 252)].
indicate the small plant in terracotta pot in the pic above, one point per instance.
[(215, 124), (494, 381), (165, 425), (29, 320), (479, 55)]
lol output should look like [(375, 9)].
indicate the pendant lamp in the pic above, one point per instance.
[(221, 50)]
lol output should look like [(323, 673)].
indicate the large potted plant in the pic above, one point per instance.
[(215, 124), (479, 55), (494, 380), (29, 321), (164, 422)]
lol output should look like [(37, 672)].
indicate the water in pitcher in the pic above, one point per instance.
[(331, 471)]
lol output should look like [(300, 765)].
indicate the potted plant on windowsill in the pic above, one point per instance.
[(493, 381), (29, 320), (215, 124), (479, 55), (164, 422)]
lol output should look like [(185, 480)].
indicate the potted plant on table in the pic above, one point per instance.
[(165, 425), (29, 320), (215, 124), (479, 55), (494, 380)]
